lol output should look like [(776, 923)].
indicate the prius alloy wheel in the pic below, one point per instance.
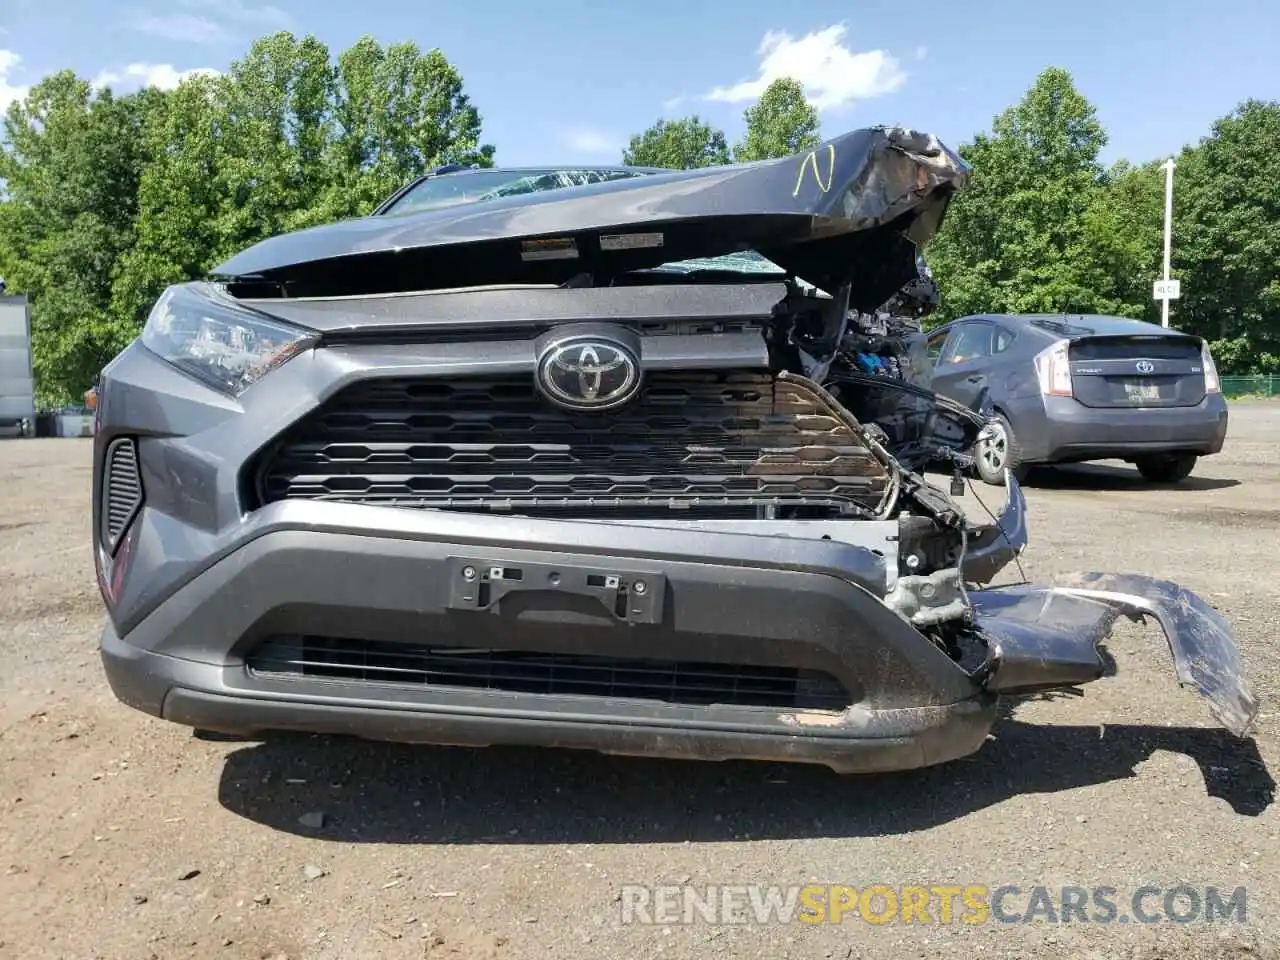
[(999, 452)]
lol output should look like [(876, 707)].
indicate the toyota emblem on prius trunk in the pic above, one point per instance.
[(1144, 366), (588, 373)]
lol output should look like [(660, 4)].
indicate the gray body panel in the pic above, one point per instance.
[(834, 214), (1061, 430), (17, 384), (496, 308)]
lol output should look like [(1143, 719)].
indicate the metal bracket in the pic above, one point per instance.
[(480, 584)]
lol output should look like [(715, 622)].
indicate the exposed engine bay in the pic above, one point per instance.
[(1018, 639), (870, 363)]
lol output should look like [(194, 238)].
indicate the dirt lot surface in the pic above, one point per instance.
[(125, 837)]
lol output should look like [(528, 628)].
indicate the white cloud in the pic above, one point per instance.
[(592, 142), (237, 11), (208, 21), (162, 75), (180, 26), (9, 89), (831, 73)]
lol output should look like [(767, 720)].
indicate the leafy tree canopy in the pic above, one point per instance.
[(677, 145), (1227, 238), (1023, 237), (1044, 228), (109, 199), (105, 199), (781, 122)]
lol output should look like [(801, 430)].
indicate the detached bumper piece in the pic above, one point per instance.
[(1046, 637)]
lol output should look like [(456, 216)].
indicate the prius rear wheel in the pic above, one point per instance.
[(1000, 452)]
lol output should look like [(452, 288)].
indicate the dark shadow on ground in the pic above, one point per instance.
[(1121, 477), (388, 793)]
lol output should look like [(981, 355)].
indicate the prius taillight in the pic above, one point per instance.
[(1053, 369)]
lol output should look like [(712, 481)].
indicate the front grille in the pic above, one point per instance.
[(121, 491), (709, 443), (545, 673)]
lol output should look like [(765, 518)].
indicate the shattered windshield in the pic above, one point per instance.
[(477, 186), (474, 186), (746, 261)]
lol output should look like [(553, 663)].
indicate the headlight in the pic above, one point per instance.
[(205, 333)]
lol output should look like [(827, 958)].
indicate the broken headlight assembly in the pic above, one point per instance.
[(209, 336)]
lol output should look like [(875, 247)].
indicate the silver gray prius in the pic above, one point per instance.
[(1071, 388)]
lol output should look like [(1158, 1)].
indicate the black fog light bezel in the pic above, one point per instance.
[(116, 519)]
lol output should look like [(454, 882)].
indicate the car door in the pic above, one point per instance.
[(963, 365)]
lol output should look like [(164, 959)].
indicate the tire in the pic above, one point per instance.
[(1170, 468), (1002, 452)]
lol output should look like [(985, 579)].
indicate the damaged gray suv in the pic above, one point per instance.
[(619, 459)]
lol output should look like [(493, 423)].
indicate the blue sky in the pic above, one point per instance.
[(569, 81)]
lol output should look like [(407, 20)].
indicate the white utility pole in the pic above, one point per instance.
[(1167, 167)]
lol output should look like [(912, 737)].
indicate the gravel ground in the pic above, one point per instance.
[(125, 837)]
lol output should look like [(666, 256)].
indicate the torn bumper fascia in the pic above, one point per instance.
[(992, 548), (1050, 637)]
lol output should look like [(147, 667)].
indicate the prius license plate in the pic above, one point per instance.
[(1142, 390)]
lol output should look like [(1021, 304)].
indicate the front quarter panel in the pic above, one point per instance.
[(192, 442)]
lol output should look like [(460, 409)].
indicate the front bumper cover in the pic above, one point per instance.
[(387, 575)]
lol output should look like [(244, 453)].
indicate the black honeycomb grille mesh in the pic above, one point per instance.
[(122, 490), (714, 443), (513, 671)]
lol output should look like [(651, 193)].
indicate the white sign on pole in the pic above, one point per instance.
[(1166, 290), (1168, 294)]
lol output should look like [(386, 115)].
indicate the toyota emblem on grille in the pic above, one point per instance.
[(1144, 366), (588, 373)]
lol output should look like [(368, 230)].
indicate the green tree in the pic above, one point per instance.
[(71, 161), (181, 197), (1025, 236), (1226, 243), (678, 145), (273, 115), (105, 200), (236, 158), (780, 123), (397, 113), (1123, 239)]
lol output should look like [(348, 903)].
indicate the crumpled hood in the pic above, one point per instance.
[(854, 209)]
